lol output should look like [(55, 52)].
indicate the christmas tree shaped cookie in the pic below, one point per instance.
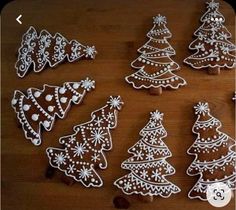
[(214, 154), (148, 166), (212, 45), (83, 151), (154, 65), (38, 51), (39, 108)]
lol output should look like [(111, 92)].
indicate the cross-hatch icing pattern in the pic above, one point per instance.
[(38, 50), (83, 151), (154, 65), (214, 155), (148, 163), (39, 108), (212, 45)]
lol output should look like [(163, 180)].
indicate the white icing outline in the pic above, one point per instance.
[(78, 129), (168, 54), (42, 111), (132, 178), (215, 40), (48, 62), (217, 163)]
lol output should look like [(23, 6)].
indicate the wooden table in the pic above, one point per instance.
[(117, 29)]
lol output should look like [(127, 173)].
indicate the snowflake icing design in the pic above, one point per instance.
[(115, 102), (144, 174), (127, 186), (72, 139), (149, 157), (90, 52), (110, 116), (156, 175), (98, 121), (79, 150), (88, 84), (153, 140), (159, 20), (139, 155), (84, 173), (59, 159), (95, 157), (97, 137), (201, 108), (213, 5), (71, 168), (225, 49), (157, 115)]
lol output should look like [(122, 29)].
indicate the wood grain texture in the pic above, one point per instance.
[(117, 29)]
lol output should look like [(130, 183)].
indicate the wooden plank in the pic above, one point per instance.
[(117, 29)]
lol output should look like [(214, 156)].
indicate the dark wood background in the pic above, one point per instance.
[(117, 29)]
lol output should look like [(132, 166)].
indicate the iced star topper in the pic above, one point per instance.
[(201, 108), (157, 115), (115, 102), (159, 19)]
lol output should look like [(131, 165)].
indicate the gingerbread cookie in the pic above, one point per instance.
[(39, 108), (214, 154), (212, 45), (148, 164), (38, 51), (154, 65), (83, 151)]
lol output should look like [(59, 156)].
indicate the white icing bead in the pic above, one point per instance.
[(26, 107), (75, 85), (35, 117), (46, 123), (63, 100), (48, 97), (50, 108), (37, 94), (14, 101), (75, 98), (62, 90), (35, 141)]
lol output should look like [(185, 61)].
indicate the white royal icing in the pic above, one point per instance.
[(37, 50), (159, 59), (85, 148), (206, 143), (212, 45), (148, 166), (45, 115)]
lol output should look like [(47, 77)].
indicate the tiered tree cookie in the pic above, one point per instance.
[(154, 65), (212, 45), (38, 51), (214, 153), (148, 166), (83, 151), (39, 108)]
